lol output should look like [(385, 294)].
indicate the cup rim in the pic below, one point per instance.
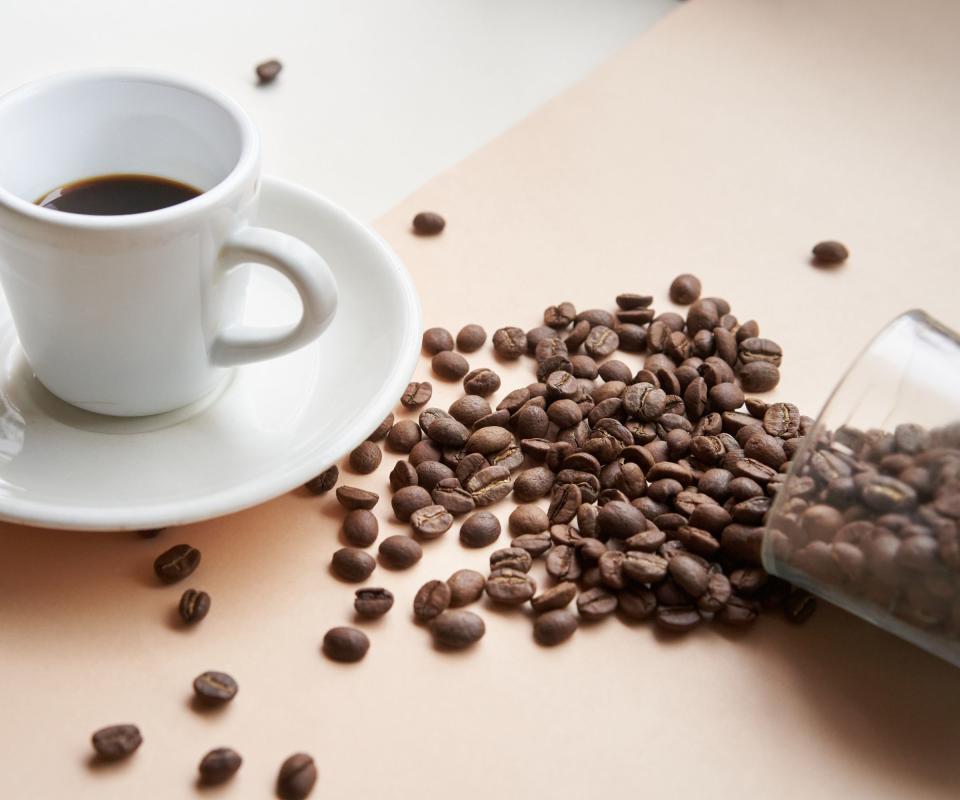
[(249, 152)]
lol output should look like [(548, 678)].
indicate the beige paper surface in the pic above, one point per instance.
[(726, 142)]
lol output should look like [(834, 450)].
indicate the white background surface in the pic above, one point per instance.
[(376, 96)]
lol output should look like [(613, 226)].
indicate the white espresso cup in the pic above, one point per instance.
[(141, 313)]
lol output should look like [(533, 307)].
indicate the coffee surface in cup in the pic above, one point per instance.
[(109, 195)]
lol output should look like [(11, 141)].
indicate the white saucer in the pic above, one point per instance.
[(272, 427)]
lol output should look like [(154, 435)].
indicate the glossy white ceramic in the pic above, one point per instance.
[(138, 314), (275, 425)]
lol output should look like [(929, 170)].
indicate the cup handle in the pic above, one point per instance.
[(304, 268)]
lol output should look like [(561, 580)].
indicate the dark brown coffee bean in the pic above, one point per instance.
[(215, 687), (726, 397), (562, 563), (431, 521), (400, 552), (748, 329), (489, 485), (448, 432), (597, 316), (430, 473), (536, 544), (620, 520), (116, 741), (738, 612), (471, 338), (596, 603), (176, 563), (431, 600), (577, 336), (403, 474), (601, 341), (532, 484), (219, 765), (449, 366), (559, 316), (428, 223), (555, 597), (469, 409), (830, 253), (510, 342), (644, 567), (194, 606), (297, 776), (629, 301), (553, 627), (634, 317), (267, 71), (610, 564), (511, 558), (510, 587), (678, 619), (437, 340), (352, 564), (758, 349), (528, 519), (408, 499), (583, 367), (345, 644), (456, 629), (403, 436), (417, 393), (799, 606), (453, 497), (550, 347), (685, 289), (352, 498), (153, 533), (466, 586), (324, 482), (689, 574), (372, 602), (564, 502), (482, 382), (758, 376), (480, 529), (885, 494), (488, 440), (469, 465), (637, 603)]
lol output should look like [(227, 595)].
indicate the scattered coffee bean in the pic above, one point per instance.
[(116, 741), (596, 603), (176, 563), (431, 521), (297, 777), (830, 253), (417, 393), (510, 343), (400, 552), (759, 376), (324, 482), (466, 586), (372, 602), (380, 431), (437, 340), (219, 765), (215, 687), (345, 644), (352, 564), (431, 600), (194, 606), (685, 289), (471, 338), (267, 71), (403, 436), (555, 597), (365, 458), (510, 587), (678, 619), (480, 529), (428, 223), (360, 528), (553, 627), (450, 366), (408, 499), (528, 519), (456, 629), (352, 498)]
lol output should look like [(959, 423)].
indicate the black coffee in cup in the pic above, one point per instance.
[(108, 195)]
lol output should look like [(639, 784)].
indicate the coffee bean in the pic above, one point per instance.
[(449, 365), (510, 587), (637, 603), (219, 765), (758, 349), (511, 558), (431, 600), (562, 563), (559, 316), (738, 612), (448, 432), (372, 602), (553, 627), (564, 502), (596, 603), (352, 498), (116, 741), (678, 619), (408, 499), (403, 474), (297, 776), (685, 289), (690, 574), (437, 340), (488, 440), (480, 529), (352, 564), (510, 342), (471, 338), (799, 606), (417, 393), (403, 436), (431, 521), (631, 301), (400, 552), (726, 397), (469, 465), (717, 594), (631, 337), (267, 71), (758, 376), (644, 567), (489, 485), (428, 223), (620, 520), (830, 253), (345, 644), (482, 382), (457, 629), (536, 544), (453, 497), (601, 341), (324, 482), (215, 687), (176, 563), (430, 473), (528, 519), (532, 484), (194, 606), (555, 597), (466, 586)]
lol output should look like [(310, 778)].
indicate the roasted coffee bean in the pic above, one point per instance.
[(510, 587), (471, 338), (116, 741), (583, 367), (690, 575), (759, 376), (489, 485), (596, 603), (549, 347), (559, 316), (449, 366), (453, 497), (637, 603), (685, 289), (430, 473), (194, 606), (758, 349), (635, 317), (431, 600), (562, 563), (352, 564), (531, 422), (480, 529), (176, 563), (610, 564), (528, 519), (555, 597), (510, 342), (646, 541), (408, 499), (403, 436), (219, 765), (885, 494), (577, 336), (678, 619), (488, 440), (620, 520), (428, 223), (748, 580), (537, 335), (372, 602), (400, 552), (532, 484), (431, 521), (482, 382), (799, 606), (267, 71), (628, 301), (469, 465), (536, 544), (697, 540), (403, 474), (601, 341), (153, 533), (597, 316), (565, 500), (509, 458), (345, 644), (325, 481), (417, 393), (748, 329), (448, 432), (702, 316), (430, 415), (365, 458), (511, 558), (695, 398), (830, 253), (469, 409), (297, 777), (466, 586), (456, 629), (553, 627), (644, 567), (726, 397), (352, 498), (215, 687), (437, 340)]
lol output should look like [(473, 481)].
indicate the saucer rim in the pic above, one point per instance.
[(271, 485)]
